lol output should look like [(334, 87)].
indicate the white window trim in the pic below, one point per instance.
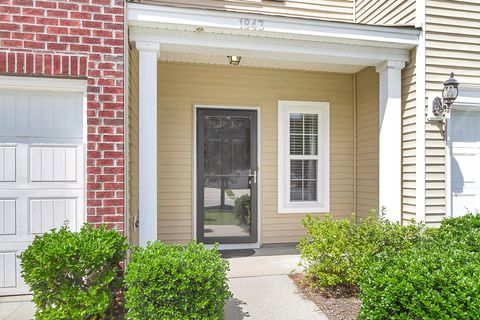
[(322, 205)]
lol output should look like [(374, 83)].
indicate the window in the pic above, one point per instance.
[(303, 157)]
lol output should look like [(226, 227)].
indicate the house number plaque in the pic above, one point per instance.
[(251, 24)]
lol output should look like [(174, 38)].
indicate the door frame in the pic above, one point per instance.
[(196, 107), (468, 100)]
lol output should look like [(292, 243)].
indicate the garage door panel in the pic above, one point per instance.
[(7, 164), (8, 269), (40, 114), (46, 214), (7, 112), (8, 217), (53, 164)]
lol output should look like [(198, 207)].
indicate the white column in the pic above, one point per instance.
[(147, 78), (390, 138)]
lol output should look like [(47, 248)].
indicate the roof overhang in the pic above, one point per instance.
[(206, 32)]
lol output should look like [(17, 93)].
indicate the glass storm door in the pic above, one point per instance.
[(226, 176)]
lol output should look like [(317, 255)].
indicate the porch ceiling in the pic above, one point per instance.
[(202, 36)]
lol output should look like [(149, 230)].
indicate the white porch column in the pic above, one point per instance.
[(390, 138), (147, 78)]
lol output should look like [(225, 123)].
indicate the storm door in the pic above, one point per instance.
[(226, 176)]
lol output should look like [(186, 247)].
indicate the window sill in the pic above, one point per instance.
[(304, 210)]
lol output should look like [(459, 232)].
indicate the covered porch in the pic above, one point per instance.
[(308, 122)]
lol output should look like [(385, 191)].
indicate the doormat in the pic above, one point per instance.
[(227, 254)]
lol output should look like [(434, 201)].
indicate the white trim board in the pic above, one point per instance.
[(154, 16), (227, 246), (43, 84)]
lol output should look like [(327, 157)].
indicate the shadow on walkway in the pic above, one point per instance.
[(233, 310)]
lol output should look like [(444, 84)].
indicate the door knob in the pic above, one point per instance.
[(254, 175)]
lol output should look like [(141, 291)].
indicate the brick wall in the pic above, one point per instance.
[(78, 39)]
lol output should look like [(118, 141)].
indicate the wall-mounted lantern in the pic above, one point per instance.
[(442, 106)]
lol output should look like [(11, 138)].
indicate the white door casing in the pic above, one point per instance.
[(41, 172), (464, 145)]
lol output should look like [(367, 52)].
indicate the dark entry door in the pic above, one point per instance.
[(226, 176)]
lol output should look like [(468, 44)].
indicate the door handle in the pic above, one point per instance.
[(254, 175)]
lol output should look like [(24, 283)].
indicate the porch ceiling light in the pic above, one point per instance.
[(234, 60), (449, 94)]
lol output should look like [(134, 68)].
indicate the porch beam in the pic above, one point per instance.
[(148, 54), (390, 138)]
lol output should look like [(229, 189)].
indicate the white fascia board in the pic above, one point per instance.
[(280, 49), (43, 84), (161, 17)]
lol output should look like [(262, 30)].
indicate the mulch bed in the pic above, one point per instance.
[(338, 303)]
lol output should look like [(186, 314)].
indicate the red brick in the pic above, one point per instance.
[(57, 13), (34, 44), (5, 18), (88, 8), (117, 218), (11, 43), (80, 15), (67, 6), (46, 37), (21, 63), (80, 32), (23, 3), (9, 26), (30, 63), (69, 23), (70, 39), (32, 28), (57, 30), (11, 62), (39, 64), (23, 19), (10, 9), (33, 11), (48, 64), (92, 24), (46, 4), (3, 62)]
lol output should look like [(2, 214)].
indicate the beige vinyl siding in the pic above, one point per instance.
[(367, 141), (339, 10), (385, 12), (180, 86), (452, 45), (133, 197), (409, 140)]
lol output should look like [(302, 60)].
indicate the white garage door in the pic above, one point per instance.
[(465, 162), (41, 173)]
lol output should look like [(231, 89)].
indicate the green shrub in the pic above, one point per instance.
[(176, 283), (335, 252), (74, 275), (437, 278)]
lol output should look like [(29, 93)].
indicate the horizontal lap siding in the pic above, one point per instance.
[(338, 10), (367, 141), (133, 195), (452, 45), (180, 86), (387, 12), (409, 139)]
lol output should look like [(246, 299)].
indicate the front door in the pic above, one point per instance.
[(226, 176)]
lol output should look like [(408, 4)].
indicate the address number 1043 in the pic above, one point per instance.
[(251, 24)]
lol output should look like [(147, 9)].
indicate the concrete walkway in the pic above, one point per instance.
[(16, 308), (260, 284), (262, 289)]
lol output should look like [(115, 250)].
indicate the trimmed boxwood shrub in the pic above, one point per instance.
[(336, 252), (437, 278), (74, 275), (173, 282)]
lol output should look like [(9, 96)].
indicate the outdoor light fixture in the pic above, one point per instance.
[(234, 60), (449, 94)]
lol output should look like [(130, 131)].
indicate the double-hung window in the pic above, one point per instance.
[(303, 156)]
